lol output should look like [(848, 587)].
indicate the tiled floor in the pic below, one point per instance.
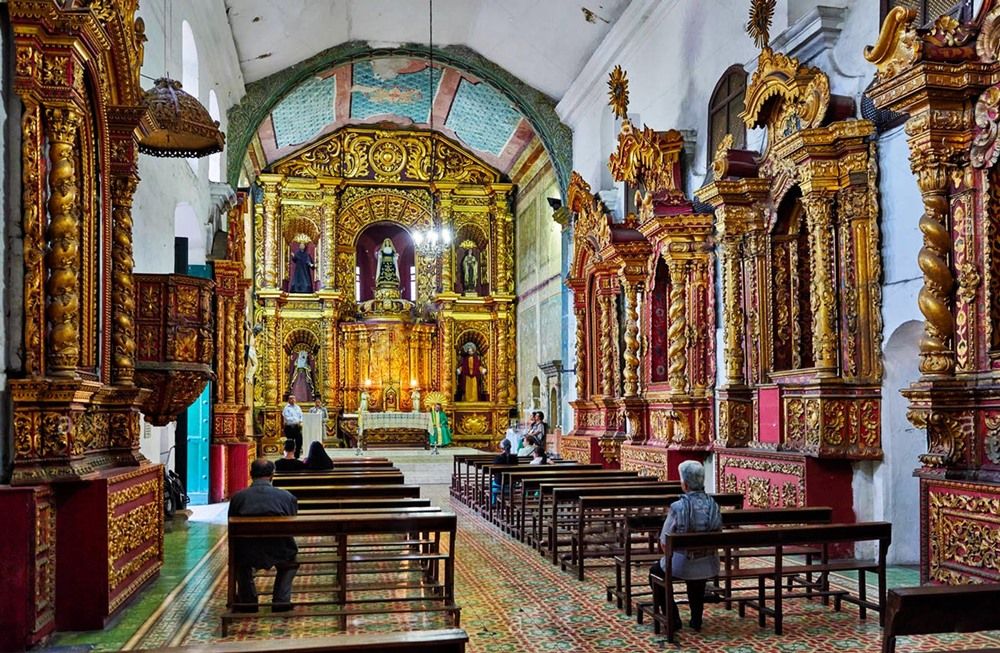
[(512, 600)]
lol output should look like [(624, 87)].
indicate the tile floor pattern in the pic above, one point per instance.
[(512, 600)]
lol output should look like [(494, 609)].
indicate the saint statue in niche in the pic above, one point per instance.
[(302, 273), (471, 374), (301, 378), (387, 267), (470, 272)]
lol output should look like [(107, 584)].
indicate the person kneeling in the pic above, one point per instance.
[(694, 512), (263, 499)]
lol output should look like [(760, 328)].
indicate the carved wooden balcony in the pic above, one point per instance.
[(174, 327)]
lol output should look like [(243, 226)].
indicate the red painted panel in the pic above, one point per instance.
[(26, 563), (238, 467), (216, 473), (770, 414)]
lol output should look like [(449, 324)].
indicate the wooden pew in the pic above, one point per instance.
[(770, 578), (510, 480), (535, 490), (651, 525), (560, 498), (452, 640), (359, 502), (342, 527), (940, 609), (341, 478), (487, 471), (349, 491)]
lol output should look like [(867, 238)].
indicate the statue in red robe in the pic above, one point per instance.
[(471, 374)]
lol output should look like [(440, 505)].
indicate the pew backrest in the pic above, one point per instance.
[(451, 640), (940, 609)]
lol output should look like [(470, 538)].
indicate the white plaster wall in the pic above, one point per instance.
[(538, 286), (166, 183), (674, 53)]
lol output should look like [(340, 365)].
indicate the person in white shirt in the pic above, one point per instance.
[(291, 415)]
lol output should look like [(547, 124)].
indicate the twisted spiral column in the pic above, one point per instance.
[(607, 351), (63, 235), (677, 332), (936, 355), (123, 288), (732, 310), (631, 372), (581, 354), (822, 296)]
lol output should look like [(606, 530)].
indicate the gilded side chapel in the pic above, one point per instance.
[(340, 325)]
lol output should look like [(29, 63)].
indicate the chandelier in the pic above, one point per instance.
[(435, 240)]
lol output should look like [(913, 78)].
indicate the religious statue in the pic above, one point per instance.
[(470, 272), (301, 384), (471, 375), (387, 269), (302, 275), (440, 431), (252, 358)]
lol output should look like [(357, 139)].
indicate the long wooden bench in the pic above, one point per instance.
[(940, 609), (648, 527), (359, 502), (487, 472), (559, 499), (537, 490), (769, 578), (437, 588), (452, 640), (349, 491), (511, 483), (341, 478)]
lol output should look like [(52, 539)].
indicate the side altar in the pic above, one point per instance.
[(383, 264)]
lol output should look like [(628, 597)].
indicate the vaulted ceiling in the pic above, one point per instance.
[(544, 43)]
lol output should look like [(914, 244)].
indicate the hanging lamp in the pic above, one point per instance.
[(176, 124)]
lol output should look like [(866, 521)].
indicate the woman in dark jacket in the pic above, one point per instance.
[(318, 459)]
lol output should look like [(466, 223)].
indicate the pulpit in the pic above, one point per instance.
[(313, 429)]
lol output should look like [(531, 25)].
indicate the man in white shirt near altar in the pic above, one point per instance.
[(291, 415)]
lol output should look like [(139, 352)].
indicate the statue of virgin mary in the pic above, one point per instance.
[(387, 267)]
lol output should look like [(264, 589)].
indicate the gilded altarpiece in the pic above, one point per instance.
[(660, 264), (946, 79), (801, 292), (364, 185), (76, 402)]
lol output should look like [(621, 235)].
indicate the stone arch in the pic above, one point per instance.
[(901, 443), (262, 96)]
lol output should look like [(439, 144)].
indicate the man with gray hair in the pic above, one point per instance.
[(694, 512)]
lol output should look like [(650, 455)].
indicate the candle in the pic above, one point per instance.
[(413, 383), (368, 383)]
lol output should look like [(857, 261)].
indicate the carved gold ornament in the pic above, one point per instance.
[(177, 124), (759, 24), (618, 92), (720, 162)]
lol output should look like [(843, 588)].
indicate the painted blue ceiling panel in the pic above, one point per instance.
[(304, 112), (403, 95), (482, 118)]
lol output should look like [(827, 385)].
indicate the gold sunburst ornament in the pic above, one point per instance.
[(618, 92), (759, 25)]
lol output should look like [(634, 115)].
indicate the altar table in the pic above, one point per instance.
[(390, 429)]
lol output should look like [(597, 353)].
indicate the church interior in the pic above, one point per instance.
[(740, 254)]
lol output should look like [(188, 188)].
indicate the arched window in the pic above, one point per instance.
[(536, 393), (214, 160), (189, 70), (724, 110)]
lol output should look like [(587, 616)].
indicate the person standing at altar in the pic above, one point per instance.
[(302, 273), (318, 408), (440, 432), (471, 375), (291, 415)]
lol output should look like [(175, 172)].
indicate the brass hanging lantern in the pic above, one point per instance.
[(177, 124)]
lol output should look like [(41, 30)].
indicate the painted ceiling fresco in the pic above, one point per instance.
[(397, 90)]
